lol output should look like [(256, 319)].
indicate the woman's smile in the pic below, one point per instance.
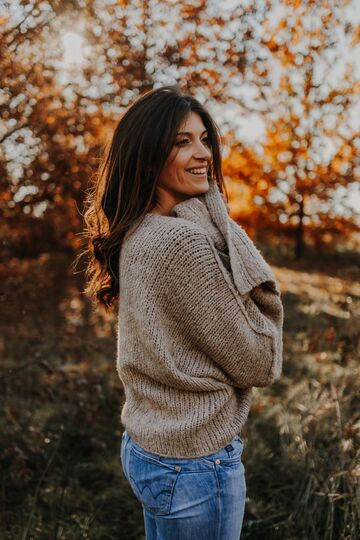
[(185, 173), (198, 171)]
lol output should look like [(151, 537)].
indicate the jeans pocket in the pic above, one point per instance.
[(230, 454), (240, 439), (152, 481)]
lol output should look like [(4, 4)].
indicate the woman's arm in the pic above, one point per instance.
[(241, 333)]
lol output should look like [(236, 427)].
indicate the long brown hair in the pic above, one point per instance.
[(124, 188)]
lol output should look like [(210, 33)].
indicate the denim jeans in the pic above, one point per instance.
[(202, 497)]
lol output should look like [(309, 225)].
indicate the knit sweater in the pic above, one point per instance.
[(200, 324)]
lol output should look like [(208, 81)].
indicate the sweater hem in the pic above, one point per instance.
[(183, 456)]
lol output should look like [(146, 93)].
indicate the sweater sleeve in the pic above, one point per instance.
[(240, 333)]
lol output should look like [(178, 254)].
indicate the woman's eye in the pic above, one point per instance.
[(183, 141), (206, 141)]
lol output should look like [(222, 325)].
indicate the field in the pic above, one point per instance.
[(60, 430)]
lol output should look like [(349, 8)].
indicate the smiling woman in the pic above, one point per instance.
[(146, 169), (200, 316), (185, 172)]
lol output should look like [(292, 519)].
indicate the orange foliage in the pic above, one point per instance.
[(291, 185), (281, 188)]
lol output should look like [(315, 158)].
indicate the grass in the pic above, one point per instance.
[(61, 397)]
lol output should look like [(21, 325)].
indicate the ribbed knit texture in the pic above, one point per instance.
[(200, 323)]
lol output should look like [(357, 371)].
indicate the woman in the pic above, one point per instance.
[(200, 316)]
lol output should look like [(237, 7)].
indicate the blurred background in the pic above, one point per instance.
[(282, 80)]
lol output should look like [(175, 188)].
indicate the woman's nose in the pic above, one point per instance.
[(202, 151)]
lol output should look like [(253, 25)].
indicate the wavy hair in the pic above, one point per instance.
[(124, 187)]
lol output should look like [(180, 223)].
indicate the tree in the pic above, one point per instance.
[(311, 145), (46, 135), (54, 131)]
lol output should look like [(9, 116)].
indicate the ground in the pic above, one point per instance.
[(61, 397)]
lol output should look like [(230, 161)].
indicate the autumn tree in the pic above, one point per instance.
[(46, 134), (306, 97), (194, 44), (53, 131)]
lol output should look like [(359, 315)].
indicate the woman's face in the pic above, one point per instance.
[(184, 174)]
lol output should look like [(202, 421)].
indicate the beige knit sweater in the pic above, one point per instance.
[(200, 323)]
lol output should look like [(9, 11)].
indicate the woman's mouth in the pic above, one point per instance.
[(198, 171)]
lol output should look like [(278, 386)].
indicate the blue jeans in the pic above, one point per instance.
[(202, 498)]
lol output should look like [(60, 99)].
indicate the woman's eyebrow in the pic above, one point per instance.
[(189, 133)]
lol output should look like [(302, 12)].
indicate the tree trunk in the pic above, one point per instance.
[(299, 247)]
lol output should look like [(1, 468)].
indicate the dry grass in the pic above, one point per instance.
[(302, 436), (60, 430)]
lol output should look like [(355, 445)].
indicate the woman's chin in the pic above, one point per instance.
[(202, 186)]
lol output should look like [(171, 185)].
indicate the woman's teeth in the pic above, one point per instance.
[(197, 171)]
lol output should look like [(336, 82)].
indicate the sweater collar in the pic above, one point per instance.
[(200, 203), (248, 267)]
